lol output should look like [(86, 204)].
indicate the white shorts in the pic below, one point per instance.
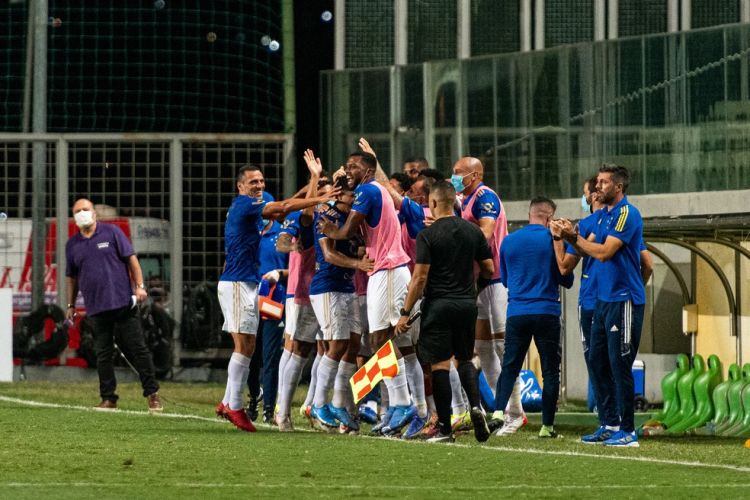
[(337, 313), (301, 324), (492, 304), (386, 292), (239, 305), (365, 349)]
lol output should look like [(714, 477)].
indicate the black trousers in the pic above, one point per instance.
[(124, 327)]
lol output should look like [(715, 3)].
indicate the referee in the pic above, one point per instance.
[(444, 273)]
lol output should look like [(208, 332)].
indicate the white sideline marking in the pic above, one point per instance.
[(505, 449)]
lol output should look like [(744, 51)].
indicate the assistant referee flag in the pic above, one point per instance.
[(382, 365)]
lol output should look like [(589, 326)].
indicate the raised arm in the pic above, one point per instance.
[(380, 176), (276, 209)]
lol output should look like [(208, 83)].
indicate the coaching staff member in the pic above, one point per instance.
[(102, 263), (444, 274)]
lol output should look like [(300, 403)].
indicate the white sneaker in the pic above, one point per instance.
[(512, 424), (284, 423)]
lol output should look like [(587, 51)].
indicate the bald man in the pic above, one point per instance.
[(480, 205), (101, 263)]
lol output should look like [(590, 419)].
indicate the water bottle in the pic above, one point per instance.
[(264, 289)]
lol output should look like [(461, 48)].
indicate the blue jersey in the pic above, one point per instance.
[(330, 278), (242, 239), (267, 197), (293, 226), (528, 268), (486, 206), (271, 259), (619, 279), (587, 293), (412, 215), (369, 202)]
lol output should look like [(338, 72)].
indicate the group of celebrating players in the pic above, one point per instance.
[(351, 245)]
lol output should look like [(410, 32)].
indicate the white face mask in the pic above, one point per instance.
[(84, 218)]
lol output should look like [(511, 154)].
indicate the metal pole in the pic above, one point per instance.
[(673, 16), (400, 32), (464, 29), (23, 151), (599, 24), (339, 36), (287, 29), (175, 241), (613, 8), (39, 157), (538, 24), (525, 25), (61, 204)]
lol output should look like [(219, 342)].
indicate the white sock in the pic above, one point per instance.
[(292, 372), (326, 377), (489, 361), (431, 404), (285, 355), (499, 345), (313, 381), (514, 407), (415, 377), (458, 405), (237, 372), (342, 391), (398, 387)]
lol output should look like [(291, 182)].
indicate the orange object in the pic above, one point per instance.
[(269, 308), (382, 365)]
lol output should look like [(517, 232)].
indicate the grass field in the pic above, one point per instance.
[(54, 446)]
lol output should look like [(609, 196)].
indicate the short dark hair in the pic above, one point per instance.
[(246, 168), (367, 159), (402, 179), (432, 174), (591, 184), (543, 200), (619, 174), (443, 191), (422, 161)]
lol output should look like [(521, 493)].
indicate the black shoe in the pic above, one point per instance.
[(481, 431), (268, 416), (442, 438), (252, 408), (497, 420)]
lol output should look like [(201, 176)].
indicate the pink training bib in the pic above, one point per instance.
[(301, 272), (383, 241), (500, 232)]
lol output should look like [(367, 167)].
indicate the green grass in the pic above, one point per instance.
[(70, 453)]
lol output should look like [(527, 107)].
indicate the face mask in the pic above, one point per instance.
[(458, 182), (585, 204), (331, 203), (84, 218), (265, 222)]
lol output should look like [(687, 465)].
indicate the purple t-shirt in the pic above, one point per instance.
[(100, 264)]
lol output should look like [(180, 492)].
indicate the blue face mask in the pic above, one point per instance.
[(585, 204), (458, 182)]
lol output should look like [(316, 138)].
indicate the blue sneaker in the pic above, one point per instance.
[(599, 436), (324, 417), (343, 416), (416, 426), (378, 428), (368, 415), (402, 415), (623, 439)]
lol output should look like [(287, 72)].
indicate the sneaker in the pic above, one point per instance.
[(481, 431), (416, 426), (268, 416), (548, 432), (106, 405), (431, 429), (354, 429), (461, 422), (599, 436), (343, 416), (221, 410), (324, 418), (384, 421), (368, 415), (442, 438), (512, 424), (252, 408), (154, 402), (402, 415), (284, 423), (240, 420), (496, 421), (623, 439)]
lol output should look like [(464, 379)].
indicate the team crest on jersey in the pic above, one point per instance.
[(489, 207), (102, 245)]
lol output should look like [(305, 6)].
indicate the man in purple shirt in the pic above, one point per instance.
[(102, 264)]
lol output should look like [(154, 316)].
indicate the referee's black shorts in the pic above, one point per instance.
[(447, 329)]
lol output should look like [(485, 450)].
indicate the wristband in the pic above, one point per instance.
[(141, 286), (556, 238), (404, 312), (73, 306)]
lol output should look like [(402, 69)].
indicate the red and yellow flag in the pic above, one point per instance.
[(382, 365)]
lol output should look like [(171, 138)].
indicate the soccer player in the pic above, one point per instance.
[(373, 210), (480, 205), (238, 283), (336, 308), (529, 270), (444, 273), (618, 317), (414, 166)]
